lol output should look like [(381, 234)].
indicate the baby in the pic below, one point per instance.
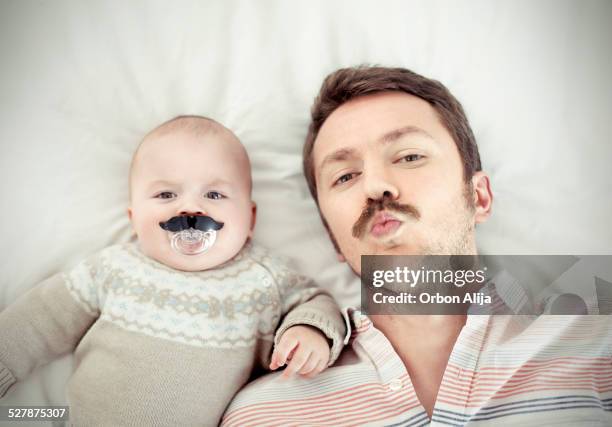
[(166, 330)]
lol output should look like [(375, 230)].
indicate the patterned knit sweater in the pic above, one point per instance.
[(157, 346)]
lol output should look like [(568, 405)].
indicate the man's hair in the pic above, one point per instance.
[(346, 84)]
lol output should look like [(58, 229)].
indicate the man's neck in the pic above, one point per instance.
[(434, 329), (424, 344)]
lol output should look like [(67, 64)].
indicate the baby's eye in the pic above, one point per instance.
[(344, 178), (166, 195), (215, 195), (410, 158)]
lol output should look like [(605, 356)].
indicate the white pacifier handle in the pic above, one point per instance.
[(192, 241)]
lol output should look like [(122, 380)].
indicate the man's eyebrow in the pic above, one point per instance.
[(396, 134), (347, 153), (337, 156)]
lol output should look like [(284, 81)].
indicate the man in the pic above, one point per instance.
[(393, 166)]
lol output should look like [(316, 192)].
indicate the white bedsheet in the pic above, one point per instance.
[(81, 82)]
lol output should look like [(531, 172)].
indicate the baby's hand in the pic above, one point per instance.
[(305, 347)]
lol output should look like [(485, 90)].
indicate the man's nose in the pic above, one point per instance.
[(379, 183)]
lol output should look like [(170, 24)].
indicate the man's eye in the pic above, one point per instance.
[(344, 178), (215, 195), (166, 195), (411, 158)]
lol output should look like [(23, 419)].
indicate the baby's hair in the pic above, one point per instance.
[(198, 125), (195, 125)]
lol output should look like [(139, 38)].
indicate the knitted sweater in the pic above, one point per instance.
[(157, 346)]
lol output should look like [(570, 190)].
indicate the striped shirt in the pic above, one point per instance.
[(503, 370)]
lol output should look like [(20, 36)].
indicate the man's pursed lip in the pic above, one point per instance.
[(383, 224)]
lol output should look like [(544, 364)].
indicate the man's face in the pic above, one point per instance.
[(390, 180), (180, 173)]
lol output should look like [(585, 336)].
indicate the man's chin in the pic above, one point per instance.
[(399, 249), (391, 245), (390, 248)]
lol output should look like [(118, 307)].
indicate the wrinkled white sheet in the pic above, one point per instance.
[(81, 82)]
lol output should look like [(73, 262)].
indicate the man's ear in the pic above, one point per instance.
[(253, 218), (482, 197), (129, 212)]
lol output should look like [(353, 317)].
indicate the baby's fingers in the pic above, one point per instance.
[(317, 370), (311, 364), (298, 360), (282, 351)]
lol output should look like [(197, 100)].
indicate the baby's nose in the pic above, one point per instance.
[(191, 205), (191, 213)]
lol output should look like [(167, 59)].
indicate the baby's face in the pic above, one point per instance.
[(181, 173)]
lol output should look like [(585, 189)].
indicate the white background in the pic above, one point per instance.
[(82, 81)]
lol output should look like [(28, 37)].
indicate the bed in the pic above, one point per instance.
[(82, 82)]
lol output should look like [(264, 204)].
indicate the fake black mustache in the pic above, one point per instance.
[(185, 222)]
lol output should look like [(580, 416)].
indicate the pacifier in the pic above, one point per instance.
[(191, 234)]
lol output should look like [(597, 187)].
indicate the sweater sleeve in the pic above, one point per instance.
[(46, 322), (304, 303)]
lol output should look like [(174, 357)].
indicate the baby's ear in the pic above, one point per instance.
[(253, 218)]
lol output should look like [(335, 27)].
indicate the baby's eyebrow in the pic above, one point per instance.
[(161, 183), (220, 182)]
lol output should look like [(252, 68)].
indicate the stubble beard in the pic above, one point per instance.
[(454, 236)]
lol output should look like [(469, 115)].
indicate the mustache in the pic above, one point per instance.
[(185, 222), (374, 206)]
